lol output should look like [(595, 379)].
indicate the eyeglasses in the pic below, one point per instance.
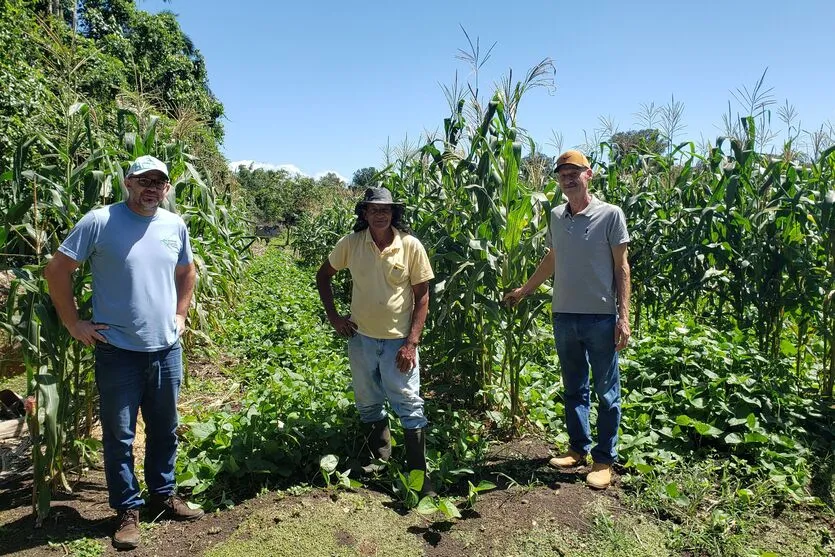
[(569, 176), (149, 183)]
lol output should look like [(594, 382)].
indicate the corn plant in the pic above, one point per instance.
[(734, 236), (825, 175), (484, 229), (48, 193), (54, 180)]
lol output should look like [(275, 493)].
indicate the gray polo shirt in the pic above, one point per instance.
[(584, 274)]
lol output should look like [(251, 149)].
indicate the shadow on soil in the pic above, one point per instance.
[(823, 467), (432, 533), (64, 524)]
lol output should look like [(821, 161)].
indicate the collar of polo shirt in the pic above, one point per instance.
[(396, 244)]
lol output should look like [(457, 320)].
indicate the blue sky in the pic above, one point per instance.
[(323, 85)]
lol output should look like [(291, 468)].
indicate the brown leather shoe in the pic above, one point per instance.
[(568, 460), (127, 531), (172, 507), (600, 476)]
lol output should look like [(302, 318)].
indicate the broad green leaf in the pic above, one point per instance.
[(745, 495), (427, 506), (484, 485), (448, 508), (186, 479), (683, 419), (755, 438), (328, 463), (202, 430), (733, 439), (643, 468), (707, 430), (416, 480)]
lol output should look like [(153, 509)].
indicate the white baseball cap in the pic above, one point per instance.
[(146, 163)]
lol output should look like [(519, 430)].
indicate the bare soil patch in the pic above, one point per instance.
[(555, 501)]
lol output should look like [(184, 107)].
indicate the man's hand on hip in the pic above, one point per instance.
[(622, 334), (88, 332), (344, 326), (406, 358)]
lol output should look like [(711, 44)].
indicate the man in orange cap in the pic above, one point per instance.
[(587, 245)]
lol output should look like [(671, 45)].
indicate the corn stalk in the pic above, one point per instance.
[(54, 181), (485, 231)]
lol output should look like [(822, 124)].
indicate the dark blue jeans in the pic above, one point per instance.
[(129, 381), (585, 340)]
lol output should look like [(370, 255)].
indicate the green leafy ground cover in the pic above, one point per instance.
[(297, 403), (712, 450), (687, 489)]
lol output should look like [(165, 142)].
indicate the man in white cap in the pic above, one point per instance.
[(143, 279), (587, 244)]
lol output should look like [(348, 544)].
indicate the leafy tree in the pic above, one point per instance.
[(100, 18), (641, 141), (24, 87), (276, 196), (162, 61), (330, 180), (116, 53), (363, 177)]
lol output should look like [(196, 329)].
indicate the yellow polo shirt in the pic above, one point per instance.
[(382, 299)]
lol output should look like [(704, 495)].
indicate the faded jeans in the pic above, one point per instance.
[(129, 381), (583, 341), (376, 377)]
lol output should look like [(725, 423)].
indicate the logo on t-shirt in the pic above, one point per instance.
[(172, 243)]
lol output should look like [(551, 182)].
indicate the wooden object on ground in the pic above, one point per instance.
[(12, 428)]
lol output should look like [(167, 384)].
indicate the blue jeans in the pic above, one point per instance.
[(376, 377), (585, 340), (129, 381)]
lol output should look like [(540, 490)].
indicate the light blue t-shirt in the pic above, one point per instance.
[(133, 260)]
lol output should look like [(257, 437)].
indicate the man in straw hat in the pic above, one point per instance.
[(143, 279), (390, 272), (587, 241)]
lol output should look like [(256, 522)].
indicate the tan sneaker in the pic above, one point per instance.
[(600, 476), (568, 460), (127, 532)]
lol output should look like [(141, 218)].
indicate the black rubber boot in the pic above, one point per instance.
[(378, 443), (416, 458)]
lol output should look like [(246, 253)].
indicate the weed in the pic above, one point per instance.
[(83, 547), (327, 467)]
